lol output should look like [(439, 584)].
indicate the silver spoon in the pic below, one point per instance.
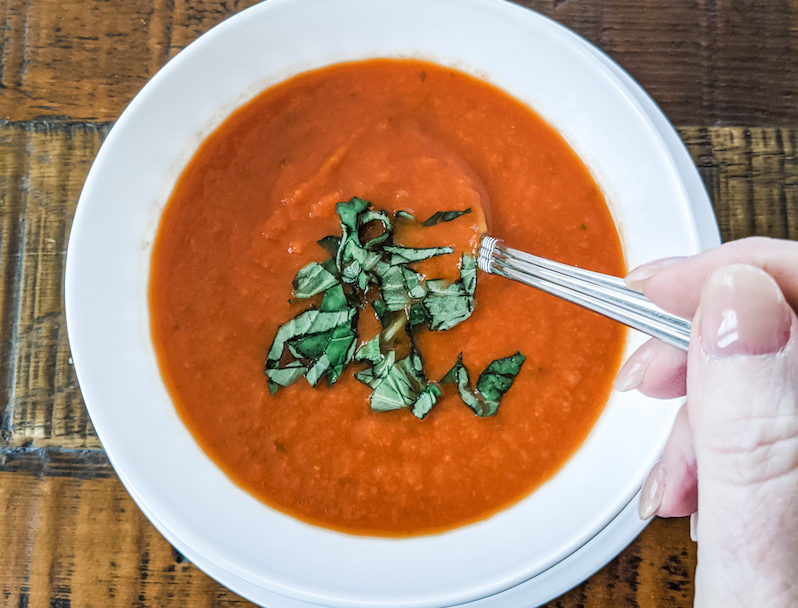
[(601, 293)]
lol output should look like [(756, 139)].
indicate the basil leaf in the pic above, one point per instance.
[(400, 387), (417, 315), (448, 304), (382, 312), (370, 351), (309, 322), (330, 244), (348, 212), (340, 350), (312, 280), (374, 375), (351, 273), (334, 299), (317, 371), (388, 335), (329, 266), (326, 338), (468, 273), (497, 379), (492, 383), (428, 398), (459, 375), (352, 252), (444, 216), (396, 384), (285, 375), (376, 216), (408, 255), (310, 346), (400, 286), (354, 214)]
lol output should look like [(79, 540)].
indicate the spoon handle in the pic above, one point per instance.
[(601, 293)]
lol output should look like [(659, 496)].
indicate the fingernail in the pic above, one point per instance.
[(694, 527), (651, 494), (742, 311), (644, 272), (634, 370)]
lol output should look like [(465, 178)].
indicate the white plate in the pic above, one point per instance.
[(611, 540), (195, 505)]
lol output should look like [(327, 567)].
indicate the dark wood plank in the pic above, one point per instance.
[(705, 61), (42, 169), (85, 60), (13, 172), (751, 175), (71, 536)]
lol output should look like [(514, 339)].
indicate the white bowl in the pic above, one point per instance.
[(191, 501)]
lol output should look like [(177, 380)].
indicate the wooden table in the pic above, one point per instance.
[(725, 72)]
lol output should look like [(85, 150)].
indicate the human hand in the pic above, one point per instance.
[(732, 455)]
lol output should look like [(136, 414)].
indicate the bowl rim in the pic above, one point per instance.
[(613, 538), (118, 457)]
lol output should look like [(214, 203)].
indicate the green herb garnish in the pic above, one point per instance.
[(445, 216), (448, 304), (313, 279), (321, 342), (492, 383)]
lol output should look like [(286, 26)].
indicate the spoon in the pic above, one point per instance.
[(601, 293)]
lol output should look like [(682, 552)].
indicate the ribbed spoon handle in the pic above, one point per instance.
[(598, 292)]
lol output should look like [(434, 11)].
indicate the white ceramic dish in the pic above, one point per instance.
[(195, 505), (614, 537)]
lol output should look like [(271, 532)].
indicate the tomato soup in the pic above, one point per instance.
[(246, 215)]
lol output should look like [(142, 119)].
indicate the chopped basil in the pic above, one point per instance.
[(445, 216), (382, 312), (417, 314), (468, 274), (400, 287), (313, 279), (376, 216), (325, 338), (285, 375), (321, 342), (459, 375), (401, 385), (408, 255), (396, 384), (447, 303), (497, 379), (370, 351), (330, 244), (492, 383), (428, 397), (353, 258), (334, 299)]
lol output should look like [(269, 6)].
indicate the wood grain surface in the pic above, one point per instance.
[(73, 537), (706, 62), (725, 72)]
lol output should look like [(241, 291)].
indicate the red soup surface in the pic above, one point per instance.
[(245, 217)]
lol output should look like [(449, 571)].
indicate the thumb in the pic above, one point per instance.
[(742, 382)]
